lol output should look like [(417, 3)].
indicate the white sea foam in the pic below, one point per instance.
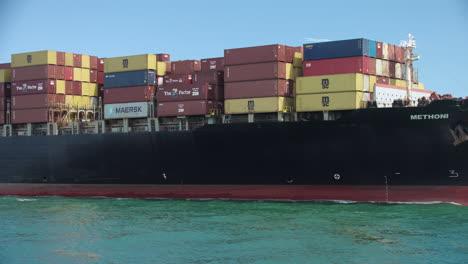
[(25, 200)]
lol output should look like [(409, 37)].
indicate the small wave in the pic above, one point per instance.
[(25, 200)]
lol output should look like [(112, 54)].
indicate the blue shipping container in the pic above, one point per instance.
[(372, 49), (132, 78), (339, 49)]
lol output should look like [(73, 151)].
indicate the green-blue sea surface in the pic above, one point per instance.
[(95, 230)]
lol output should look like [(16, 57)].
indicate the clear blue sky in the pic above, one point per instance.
[(201, 29)]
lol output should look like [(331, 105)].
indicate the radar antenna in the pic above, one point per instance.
[(409, 45)]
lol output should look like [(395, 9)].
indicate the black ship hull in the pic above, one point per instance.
[(389, 155)]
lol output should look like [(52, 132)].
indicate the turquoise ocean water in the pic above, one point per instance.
[(94, 230)]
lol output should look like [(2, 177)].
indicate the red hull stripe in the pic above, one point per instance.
[(456, 194)]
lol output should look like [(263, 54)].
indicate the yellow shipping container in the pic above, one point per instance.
[(34, 58), (85, 77), (60, 89), (93, 89), (5, 75), (290, 72), (401, 83), (297, 59), (77, 74), (68, 59), (259, 105), (298, 72), (84, 101), (70, 100), (393, 82), (335, 83), (161, 68), (331, 101), (130, 63), (85, 61), (85, 88)]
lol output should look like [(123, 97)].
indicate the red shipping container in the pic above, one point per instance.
[(2, 117), (178, 78), (364, 65), (214, 77), (399, 54), (5, 65), (39, 72), (3, 104), (212, 64), (252, 72), (168, 67), (68, 73), (379, 50), (185, 92), (36, 101), (100, 66), (391, 69), (93, 62), (33, 87), (77, 87), (391, 52), (269, 53), (37, 115), (383, 80), (93, 76), (188, 108), (263, 88), (77, 59), (185, 66), (163, 57), (60, 58), (69, 87), (5, 89), (60, 72), (100, 77), (128, 94)]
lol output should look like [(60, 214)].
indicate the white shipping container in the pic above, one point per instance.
[(126, 110), (385, 68), (385, 51), (403, 71), (378, 67), (398, 70)]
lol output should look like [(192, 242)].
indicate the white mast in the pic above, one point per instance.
[(409, 45)]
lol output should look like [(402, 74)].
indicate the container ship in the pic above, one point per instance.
[(341, 120)]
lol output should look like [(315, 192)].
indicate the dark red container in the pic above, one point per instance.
[(291, 50), (213, 77), (33, 87), (2, 117), (100, 66), (186, 92), (252, 72), (68, 73), (391, 52), (163, 57), (69, 87), (188, 108), (168, 67), (37, 115), (391, 69), (93, 62), (178, 78), (5, 65), (100, 77), (77, 87), (39, 72), (3, 104), (36, 101), (379, 50), (263, 88), (399, 54), (383, 80), (60, 72), (93, 76), (269, 53), (364, 65), (128, 94), (60, 58), (77, 59), (212, 64), (185, 66), (5, 89)]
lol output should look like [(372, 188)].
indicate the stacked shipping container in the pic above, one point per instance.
[(45, 79), (5, 85), (260, 79), (194, 88)]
